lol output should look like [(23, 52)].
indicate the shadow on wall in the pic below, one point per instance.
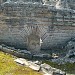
[(34, 42)]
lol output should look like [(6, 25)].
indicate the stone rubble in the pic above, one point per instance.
[(45, 68), (70, 53), (16, 52), (20, 61), (34, 66), (42, 56), (70, 56), (24, 53)]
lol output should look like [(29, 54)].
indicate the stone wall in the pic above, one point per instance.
[(71, 4), (18, 21)]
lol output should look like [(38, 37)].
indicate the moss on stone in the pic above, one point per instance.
[(67, 67)]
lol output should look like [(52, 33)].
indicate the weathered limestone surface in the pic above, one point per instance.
[(21, 23), (38, 66)]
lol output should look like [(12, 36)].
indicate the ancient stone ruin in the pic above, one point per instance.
[(37, 24)]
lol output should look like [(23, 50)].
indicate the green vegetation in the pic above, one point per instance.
[(68, 67), (9, 67)]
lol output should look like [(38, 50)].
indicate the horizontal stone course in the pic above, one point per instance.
[(23, 19)]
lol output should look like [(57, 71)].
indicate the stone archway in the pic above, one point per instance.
[(34, 43)]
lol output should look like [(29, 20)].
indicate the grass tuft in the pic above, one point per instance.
[(9, 67)]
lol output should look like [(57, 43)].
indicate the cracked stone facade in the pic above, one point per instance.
[(21, 23)]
